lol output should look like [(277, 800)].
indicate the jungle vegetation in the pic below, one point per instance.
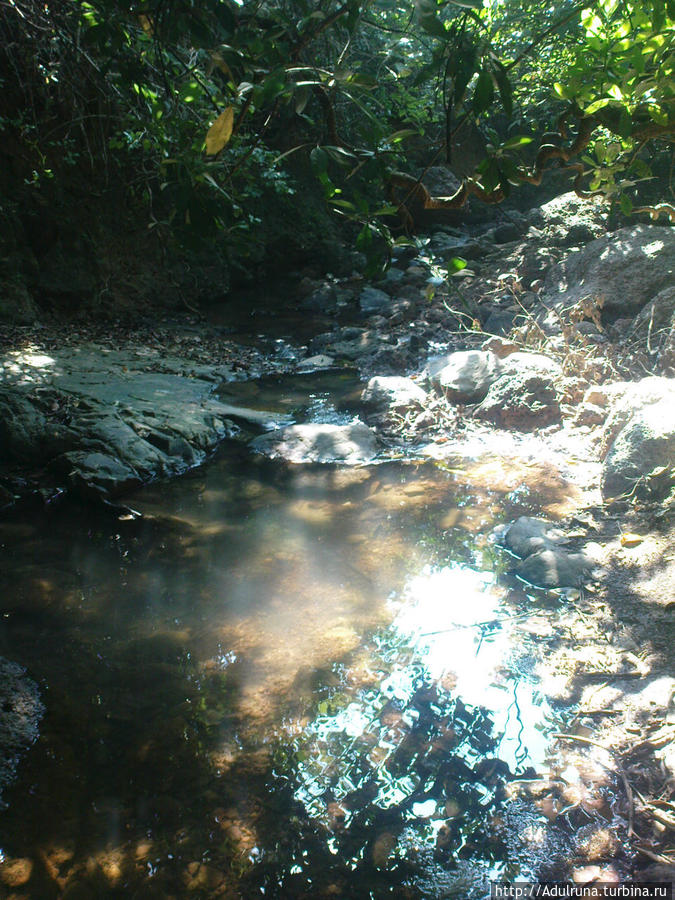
[(210, 112)]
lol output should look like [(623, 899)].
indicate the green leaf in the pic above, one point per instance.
[(516, 141), (505, 87), (319, 160), (626, 205), (483, 93), (456, 264), (433, 26), (597, 105), (302, 95), (362, 80), (401, 135)]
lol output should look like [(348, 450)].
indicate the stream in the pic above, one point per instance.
[(281, 680)]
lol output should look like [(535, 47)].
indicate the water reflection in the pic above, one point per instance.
[(280, 678)]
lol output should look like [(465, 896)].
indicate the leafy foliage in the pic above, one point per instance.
[(208, 103)]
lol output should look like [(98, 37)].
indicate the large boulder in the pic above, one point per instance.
[(318, 443), (464, 376), (625, 398), (618, 274)]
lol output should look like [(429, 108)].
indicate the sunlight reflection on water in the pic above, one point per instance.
[(456, 620)]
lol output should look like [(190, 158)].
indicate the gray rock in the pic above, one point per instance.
[(507, 231), (317, 443), (324, 299), (464, 376), (135, 416), (394, 275), (373, 300), (528, 535), (625, 398), (440, 181), (97, 473), (501, 320), (623, 271), (522, 400), (20, 714), (646, 443), (534, 363), (554, 568), (568, 219), (654, 323), (393, 392)]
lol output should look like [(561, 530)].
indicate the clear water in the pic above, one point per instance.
[(280, 681)]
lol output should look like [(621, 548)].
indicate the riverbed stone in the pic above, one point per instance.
[(554, 568), (464, 376), (529, 534), (393, 392), (373, 300), (20, 712), (319, 443)]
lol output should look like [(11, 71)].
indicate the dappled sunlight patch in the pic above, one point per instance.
[(27, 367)]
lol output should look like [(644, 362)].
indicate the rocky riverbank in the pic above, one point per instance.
[(555, 342)]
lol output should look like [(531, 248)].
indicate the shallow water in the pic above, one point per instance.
[(279, 681)]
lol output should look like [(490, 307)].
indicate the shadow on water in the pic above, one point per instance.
[(280, 681)]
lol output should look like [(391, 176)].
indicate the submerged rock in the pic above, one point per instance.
[(317, 443), (464, 376), (20, 714)]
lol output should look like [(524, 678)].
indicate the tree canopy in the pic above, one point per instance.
[(208, 105)]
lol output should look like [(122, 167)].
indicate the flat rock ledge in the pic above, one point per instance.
[(316, 443), (105, 421)]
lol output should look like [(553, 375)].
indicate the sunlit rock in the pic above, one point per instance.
[(312, 443), (392, 392), (464, 376), (554, 568), (640, 441), (568, 219), (521, 400), (619, 273), (528, 534)]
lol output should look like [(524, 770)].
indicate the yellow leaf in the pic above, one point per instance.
[(222, 65), (630, 540), (220, 132), (146, 24)]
